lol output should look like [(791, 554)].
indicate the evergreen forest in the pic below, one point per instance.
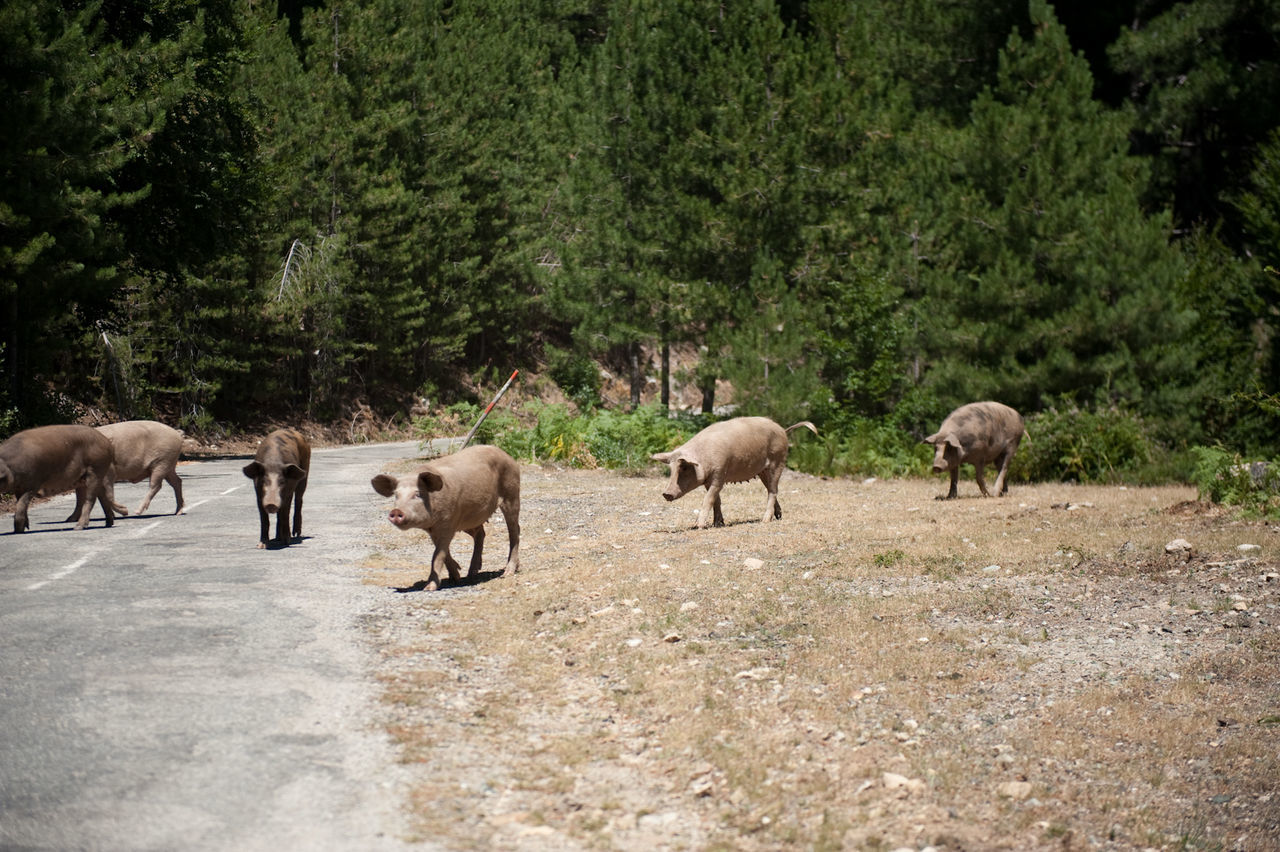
[(215, 212)]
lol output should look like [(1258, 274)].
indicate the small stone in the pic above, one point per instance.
[(991, 569), (894, 781), (1248, 548), (1017, 790), (1178, 545), (688, 606), (752, 564), (672, 637)]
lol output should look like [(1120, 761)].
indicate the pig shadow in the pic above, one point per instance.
[(446, 583), (293, 542)]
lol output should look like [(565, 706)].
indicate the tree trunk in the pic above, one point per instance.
[(708, 394), (665, 390), (637, 374)]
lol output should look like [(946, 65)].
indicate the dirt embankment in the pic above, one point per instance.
[(879, 670)]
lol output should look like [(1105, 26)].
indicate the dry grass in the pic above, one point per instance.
[(893, 671)]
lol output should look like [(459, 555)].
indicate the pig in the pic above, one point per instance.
[(978, 433), (279, 473), (457, 493), (735, 450), (49, 460), (144, 449)]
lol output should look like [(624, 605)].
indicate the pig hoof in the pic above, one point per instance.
[(262, 545)]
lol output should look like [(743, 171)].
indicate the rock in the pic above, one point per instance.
[(672, 637), (688, 606), (1248, 548), (1178, 545), (894, 781), (1017, 790), (752, 564)]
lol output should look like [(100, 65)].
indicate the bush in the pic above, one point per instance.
[(610, 439), (1224, 477), (861, 447), (576, 375), (1106, 445), (457, 419)]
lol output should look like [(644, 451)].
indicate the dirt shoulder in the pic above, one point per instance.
[(878, 670)]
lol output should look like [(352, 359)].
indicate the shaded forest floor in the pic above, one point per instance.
[(878, 670)]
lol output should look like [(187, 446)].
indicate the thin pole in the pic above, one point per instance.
[(472, 433)]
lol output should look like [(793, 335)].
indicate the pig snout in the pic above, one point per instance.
[(396, 516)]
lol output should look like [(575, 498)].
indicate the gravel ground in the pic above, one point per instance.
[(878, 670)]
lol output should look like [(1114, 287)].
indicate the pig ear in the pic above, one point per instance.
[(294, 472), (253, 470), (383, 484), (661, 457), (429, 480), (932, 439), (692, 463), (953, 441)]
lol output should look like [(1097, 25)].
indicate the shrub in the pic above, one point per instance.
[(1224, 477), (1105, 445), (576, 375), (611, 439), (861, 447)]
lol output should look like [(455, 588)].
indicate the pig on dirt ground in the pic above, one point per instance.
[(279, 473), (49, 460), (144, 449), (979, 433), (734, 450), (453, 494)]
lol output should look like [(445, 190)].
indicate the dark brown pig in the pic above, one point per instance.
[(978, 433), (145, 449), (49, 460), (453, 494), (279, 473), (734, 450)]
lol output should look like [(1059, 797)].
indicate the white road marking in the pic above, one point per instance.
[(65, 571), (144, 530), (228, 491)]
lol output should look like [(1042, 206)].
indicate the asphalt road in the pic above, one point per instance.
[(166, 685)]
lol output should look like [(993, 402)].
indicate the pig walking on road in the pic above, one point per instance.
[(49, 460), (453, 494), (734, 450), (279, 473), (978, 433), (145, 449)]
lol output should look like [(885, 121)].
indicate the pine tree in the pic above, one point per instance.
[(76, 117), (1049, 278)]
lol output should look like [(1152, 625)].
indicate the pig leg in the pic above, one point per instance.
[(101, 490), (711, 505), (772, 508), (20, 512), (1002, 484), (282, 521), (511, 515), (955, 478), (175, 482), (157, 479), (264, 523), (81, 496), (978, 470), (441, 558), (297, 508), (477, 550)]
